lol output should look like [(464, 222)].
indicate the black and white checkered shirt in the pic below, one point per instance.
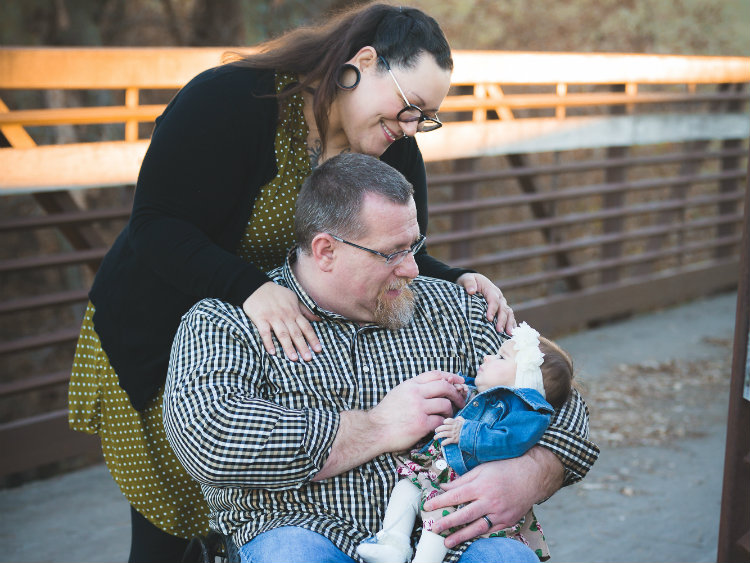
[(254, 429)]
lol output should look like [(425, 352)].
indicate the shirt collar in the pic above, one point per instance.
[(290, 280)]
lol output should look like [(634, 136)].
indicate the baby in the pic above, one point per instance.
[(505, 415)]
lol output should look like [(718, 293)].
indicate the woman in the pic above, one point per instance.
[(213, 210)]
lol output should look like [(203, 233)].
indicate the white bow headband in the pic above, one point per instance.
[(529, 358)]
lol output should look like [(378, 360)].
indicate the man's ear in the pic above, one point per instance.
[(322, 250)]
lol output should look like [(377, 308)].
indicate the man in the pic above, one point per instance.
[(295, 458)]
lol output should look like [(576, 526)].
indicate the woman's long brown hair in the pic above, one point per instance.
[(316, 53)]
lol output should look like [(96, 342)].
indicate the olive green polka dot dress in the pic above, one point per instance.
[(134, 444)]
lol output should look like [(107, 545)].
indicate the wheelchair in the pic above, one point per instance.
[(214, 547)]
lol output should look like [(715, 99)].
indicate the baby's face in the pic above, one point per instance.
[(498, 369)]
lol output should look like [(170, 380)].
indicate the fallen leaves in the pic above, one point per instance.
[(651, 403)]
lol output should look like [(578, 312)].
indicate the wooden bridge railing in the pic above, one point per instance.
[(587, 185)]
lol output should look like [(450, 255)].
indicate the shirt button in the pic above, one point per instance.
[(366, 369), (441, 464)]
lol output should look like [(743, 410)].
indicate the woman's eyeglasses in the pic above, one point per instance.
[(394, 258), (412, 113)]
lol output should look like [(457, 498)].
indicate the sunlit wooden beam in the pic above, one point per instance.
[(73, 166)]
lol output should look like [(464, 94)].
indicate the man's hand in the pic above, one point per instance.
[(450, 430), (408, 412), (415, 408), (504, 491)]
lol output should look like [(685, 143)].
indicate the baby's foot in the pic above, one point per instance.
[(385, 547)]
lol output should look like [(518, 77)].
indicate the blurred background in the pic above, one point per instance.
[(578, 234), (688, 27)]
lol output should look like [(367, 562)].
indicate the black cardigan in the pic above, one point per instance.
[(211, 152)]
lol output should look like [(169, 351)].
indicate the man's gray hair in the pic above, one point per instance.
[(331, 199)]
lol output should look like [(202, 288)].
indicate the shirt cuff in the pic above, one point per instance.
[(322, 426), (575, 453)]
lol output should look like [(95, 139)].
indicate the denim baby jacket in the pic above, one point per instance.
[(500, 423)]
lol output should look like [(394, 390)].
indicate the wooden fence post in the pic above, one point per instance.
[(613, 175), (729, 185), (734, 522)]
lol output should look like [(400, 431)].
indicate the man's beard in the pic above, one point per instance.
[(395, 313)]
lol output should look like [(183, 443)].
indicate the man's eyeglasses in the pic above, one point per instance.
[(412, 113), (394, 258)]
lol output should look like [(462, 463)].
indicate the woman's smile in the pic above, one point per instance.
[(390, 135)]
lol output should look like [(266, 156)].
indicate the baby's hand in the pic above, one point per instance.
[(462, 388), (450, 430)]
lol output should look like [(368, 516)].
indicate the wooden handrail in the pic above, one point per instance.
[(33, 383), (573, 219), (82, 116), (148, 113), (503, 67), (581, 166), (587, 191), (60, 259), (45, 300), (68, 218), (115, 68), (528, 101), (593, 241), (170, 67), (65, 336), (632, 260)]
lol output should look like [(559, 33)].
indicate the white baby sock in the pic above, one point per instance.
[(431, 548), (392, 544), (387, 547)]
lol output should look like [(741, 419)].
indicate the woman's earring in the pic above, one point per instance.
[(346, 69)]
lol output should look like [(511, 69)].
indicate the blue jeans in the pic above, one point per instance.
[(298, 545)]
